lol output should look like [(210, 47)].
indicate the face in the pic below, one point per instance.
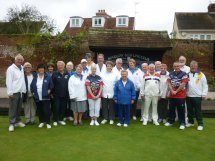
[(182, 61), (118, 65), (151, 69), (158, 66), (163, 69), (69, 67), (131, 65), (40, 71), (89, 59), (50, 69), (60, 67), (109, 68), (144, 68), (124, 75), (176, 67), (19, 61), (27, 69), (78, 70), (193, 67), (93, 71), (100, 59), (84, 64)]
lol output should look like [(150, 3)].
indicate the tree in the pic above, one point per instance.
[(29, 20)]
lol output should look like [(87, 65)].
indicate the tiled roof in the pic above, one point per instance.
[(110, 23), (107, 38), (186, 21)]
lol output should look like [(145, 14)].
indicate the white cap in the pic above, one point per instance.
[(83, 60)]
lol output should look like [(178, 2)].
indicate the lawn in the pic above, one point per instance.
[(107, 143)]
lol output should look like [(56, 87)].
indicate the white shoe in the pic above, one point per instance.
[(125, 125), (48, 126), (104, 122), (119, 124), (55, 123), (64, 119), (96, 123), (167, 124), (11, 128), (92, 122), (20, 124), (41, 125), (70, 118), (111, 122), (200, 128), (189, 125), (156, 123), (144, 122), (62, 122), (134, 118), (182, 127), (164, 121)]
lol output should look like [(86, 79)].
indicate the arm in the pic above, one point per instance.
[(71, 88), (9, 82), (100, 91), (204, 87), (115, 96), (90, 92), (133, 94), (142, 88)]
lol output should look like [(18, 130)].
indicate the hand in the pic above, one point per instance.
[(143, 98), (11, 97), (49, 91), (174, 92), (159, 97), (132, 101)]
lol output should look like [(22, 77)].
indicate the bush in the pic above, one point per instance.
[(211, 83), (2, 81)]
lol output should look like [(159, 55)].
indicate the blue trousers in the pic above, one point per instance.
[(124, 113)]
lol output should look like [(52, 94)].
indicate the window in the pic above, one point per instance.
[(122, 21), (196, 37), (98, 21), (202, 37), (208, 37), (76, 22)]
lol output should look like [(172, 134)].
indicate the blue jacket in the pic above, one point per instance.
[(47, 85), (124, 94)]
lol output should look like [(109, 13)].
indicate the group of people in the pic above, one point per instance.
[(65, 94)]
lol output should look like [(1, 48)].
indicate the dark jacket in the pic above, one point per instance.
[(47, 85), (124, 94), (60, 82)]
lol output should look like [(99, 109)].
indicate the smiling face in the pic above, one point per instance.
[(93, 70), (79, 70), (124, 75), (109, 67), (193, 67), (40, 71), (27, 69), (176, 66), (19, 60)]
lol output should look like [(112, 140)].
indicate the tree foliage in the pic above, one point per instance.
[(29, 20)]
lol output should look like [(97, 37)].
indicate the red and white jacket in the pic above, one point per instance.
[(150, 85)]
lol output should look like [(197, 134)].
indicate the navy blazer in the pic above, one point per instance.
[(47, 85)]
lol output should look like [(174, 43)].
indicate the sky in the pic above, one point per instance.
[(150, 14)]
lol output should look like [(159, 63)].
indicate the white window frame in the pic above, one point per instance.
[(98, 21), (122, 21), (207, 36), (76, 22)]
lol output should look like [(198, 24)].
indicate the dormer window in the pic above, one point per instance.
[(122, 21), (98, 21), (76, 21)]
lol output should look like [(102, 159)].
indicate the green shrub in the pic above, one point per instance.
[(211, 83)]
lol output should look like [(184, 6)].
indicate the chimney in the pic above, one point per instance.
[(211, 8), (102, 13)]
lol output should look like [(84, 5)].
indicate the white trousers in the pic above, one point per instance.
[(147, 102), (94, 107)]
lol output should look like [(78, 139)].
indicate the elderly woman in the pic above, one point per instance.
[(69, 68), (41, 87), (94, 89), (77, 94), (109, 79), (28, 100)]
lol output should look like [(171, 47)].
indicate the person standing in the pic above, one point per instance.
[(182, 60), (124, 96), (118, 67), (176, 83), (196, 92), (85, 71), (78, 95), (109, 79), (100, 66), (150, 92), (94, 85), (28, 100), (15, 83), (163, 102), (89, 59), (41, 87), (60, 92), (158, 66), (134, 75)]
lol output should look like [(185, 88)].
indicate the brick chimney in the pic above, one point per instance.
[(211, 8), (102, 13)]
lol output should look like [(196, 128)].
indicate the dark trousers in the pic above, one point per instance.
[(194, 109), (15, 105), (134, 105), (108, 109), (162, 108), (68, 110), (116, 109), (43, 108), (124, 113), (180, 105), (59, 108)]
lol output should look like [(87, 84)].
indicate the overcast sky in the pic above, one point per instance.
[(150, 14)]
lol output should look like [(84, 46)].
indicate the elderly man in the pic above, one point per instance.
[(182, 60), (124, 96), (100, 66), (158, 66), (60, 92), (15, 83), (176, 84), (197, 90), (85, 71), (150, 91), (118, 67)]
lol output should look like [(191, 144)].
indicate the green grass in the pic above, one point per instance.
[(107, 143)]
